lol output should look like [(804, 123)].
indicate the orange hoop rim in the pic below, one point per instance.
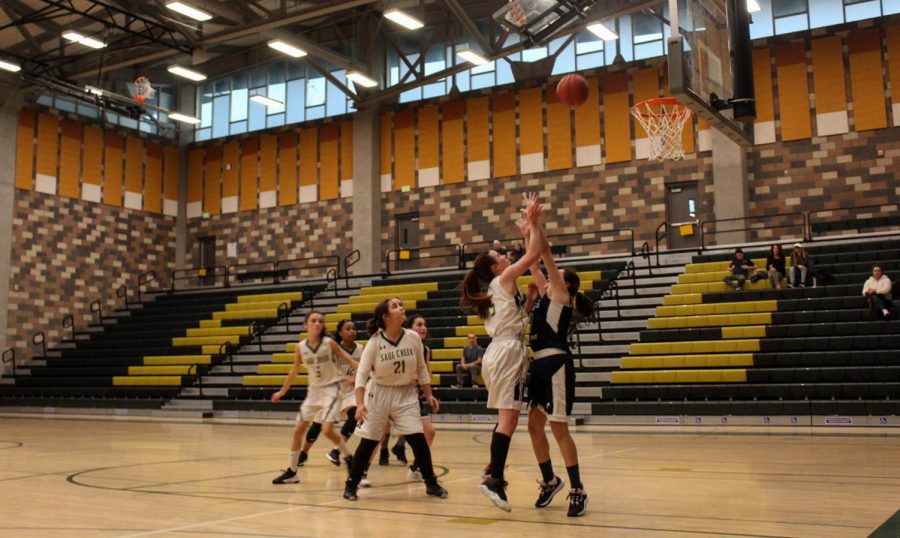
[(680, 108)]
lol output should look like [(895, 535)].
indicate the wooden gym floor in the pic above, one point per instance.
[(79, 477)]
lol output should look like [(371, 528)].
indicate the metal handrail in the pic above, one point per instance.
[(194, 272), (42, 342), (198, 378), (397, 251), (348, 264), (97, 308), (766, 221), (630, 272), (122, 291), (645, 253), (69, 322), (331, 260), (665, 235), (11, 354), (229, 354), (150, 277), (810, 214), (256, 330), (332, 275), (284, 311), (467, 250)]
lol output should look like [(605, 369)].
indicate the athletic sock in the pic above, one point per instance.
[(546, 471), (575, 477), (499, 451), (294, 460)]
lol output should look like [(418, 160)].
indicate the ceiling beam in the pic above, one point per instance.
[(470, 28)]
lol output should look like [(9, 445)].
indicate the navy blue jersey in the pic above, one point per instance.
[(550, 325)]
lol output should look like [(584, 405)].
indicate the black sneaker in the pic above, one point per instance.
[(577, 502), (350, 491), (287, 477), (303, 457), (384, 458), (548, 491), (334, 456), (495, 490), (435, 490), (400, 453)]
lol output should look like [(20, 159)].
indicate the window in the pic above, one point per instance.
[(648, 36), (790, 16)]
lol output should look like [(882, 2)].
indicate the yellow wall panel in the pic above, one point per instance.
[(134, 165), (387, 153), (793, 91), (867, 79), (112, 169), (309, 156), (645, 84), (231, 166), (452, 145), (478, 131), (25, 150), (531, 121), (404, 149), (329, 185), (70, 159), (47, 145), (559, 132), (172, 168), (428, 137), (506, 162), (893, 48), (212, 180), (587, 117), (268, 163), (762, 85), (347, 150), (195, 175), (92, 167), (153, 178), (828, 75), (616, 118), (287, 168), (249, 174)]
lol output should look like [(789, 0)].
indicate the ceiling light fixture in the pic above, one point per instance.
[(360, 79), (753, 6), (602, 31), (472, 57), (286, 48), (184, 118), (404, 20), (8, 66), (75, 37), (186, 73), (94, 90), (189, 11)]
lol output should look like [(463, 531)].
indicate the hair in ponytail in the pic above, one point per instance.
[(377, 322), (582, 305), (472, 295)]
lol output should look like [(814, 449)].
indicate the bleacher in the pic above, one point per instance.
[(800, 351)]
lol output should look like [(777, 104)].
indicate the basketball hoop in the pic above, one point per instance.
[(517, 13), (142, 89), (663, 119)]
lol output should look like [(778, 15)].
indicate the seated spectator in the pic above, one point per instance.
[(774, 268), (739, 268), (801, 266), (877, 291), (470, 362), (516, 252), (498, 247)]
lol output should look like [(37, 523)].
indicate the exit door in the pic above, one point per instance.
[(681, 215), (407, 239), (208, 260)]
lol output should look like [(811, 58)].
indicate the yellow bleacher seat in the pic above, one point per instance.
[(687, 361), (163, 360), (278, 369), (399, 289), (717, 320), (203, 340), (687, 298), (465, 330), (146, 380), (376, 298), (210, 323), (446, 354), (272, 380), (159, 370), (346, 309), (246, 314), (219, 331), (256, 305), (272, 297)]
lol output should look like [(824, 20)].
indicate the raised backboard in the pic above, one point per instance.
[(538, 20), (710, 64)]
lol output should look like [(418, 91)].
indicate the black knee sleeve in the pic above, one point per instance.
[(313, 432)]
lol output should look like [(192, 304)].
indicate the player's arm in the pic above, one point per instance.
[(290, 377), (424, 376), (366, 361), (341, 354), (558, 291), (532, 253)]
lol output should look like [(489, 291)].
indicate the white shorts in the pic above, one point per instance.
[(321, 404), (347, 399), (398, 405), (505, 365)]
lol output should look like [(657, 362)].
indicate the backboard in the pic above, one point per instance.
[(710, 64), (538, 20)]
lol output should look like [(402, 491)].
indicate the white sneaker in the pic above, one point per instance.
[(365, 483), (414, 474)]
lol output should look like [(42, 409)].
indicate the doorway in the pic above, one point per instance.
[(208, 260), (407, 239), (681, 215)]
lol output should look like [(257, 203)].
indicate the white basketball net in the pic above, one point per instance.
[(663, 120), (142, 88)]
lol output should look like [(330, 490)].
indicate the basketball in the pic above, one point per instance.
[(572, 90)]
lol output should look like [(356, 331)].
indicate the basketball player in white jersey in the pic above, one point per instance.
[(394, 357), (320, 355), (551, 379), (505, 361)]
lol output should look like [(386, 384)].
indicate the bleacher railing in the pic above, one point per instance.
[(757, 228), (144, 278), (68, 322), (349, 261), (39, 339), (276, 272), (10, 356), (562, 245), (422, 258), (867, 220)]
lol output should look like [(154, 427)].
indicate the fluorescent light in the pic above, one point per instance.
[(267, 101), (287, 48), (75, 37), (184, 118), (94, 90), (10, 66), (753, 6), (602, 31), (360, 79), (404, 20), (191, 12), (186, 73), (472, 57)]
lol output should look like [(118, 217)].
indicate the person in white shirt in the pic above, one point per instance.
[(395, 358), (877, 290)]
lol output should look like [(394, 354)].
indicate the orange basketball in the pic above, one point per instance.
[(572, 90)]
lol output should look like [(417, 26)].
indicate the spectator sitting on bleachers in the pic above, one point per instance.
[(801, 263), (774, 268), (470, 362), (739, 268), (877, 291), (516, 252), (498, 247)]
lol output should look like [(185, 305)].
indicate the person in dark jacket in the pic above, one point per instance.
[(740, 267), (775, 270)]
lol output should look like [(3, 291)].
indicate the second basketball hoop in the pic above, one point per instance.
[(141, 89)]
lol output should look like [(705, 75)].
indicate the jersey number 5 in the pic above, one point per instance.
[(399, 367)]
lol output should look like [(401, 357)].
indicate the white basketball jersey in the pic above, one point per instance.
[(393, 363), (321, 365), (507, 312), (345, 369)]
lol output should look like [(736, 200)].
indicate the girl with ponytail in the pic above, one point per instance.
[(506, 358)]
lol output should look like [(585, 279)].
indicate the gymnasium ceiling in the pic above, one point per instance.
[(144, 37)]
